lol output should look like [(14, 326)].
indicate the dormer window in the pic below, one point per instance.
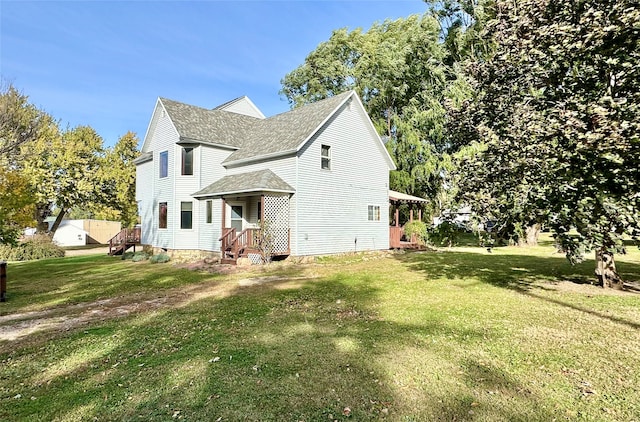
[(325, 157), (187, 161)]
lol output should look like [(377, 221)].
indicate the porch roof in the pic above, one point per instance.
[(403, 197), (255, 181)]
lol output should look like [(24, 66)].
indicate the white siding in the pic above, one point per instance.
[(144, 197), (210, 171), (210, 233), (243, 106), (163, 137), (332, 205)]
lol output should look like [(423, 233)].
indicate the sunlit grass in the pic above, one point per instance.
[(457, 334)]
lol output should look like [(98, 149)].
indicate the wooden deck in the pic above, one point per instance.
[(124, 240), (397, 239)]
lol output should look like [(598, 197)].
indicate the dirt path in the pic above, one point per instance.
[(23, 327), (102, 250)]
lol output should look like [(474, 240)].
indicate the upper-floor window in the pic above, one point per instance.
[(325, 155), (187, 161), (164, 164)]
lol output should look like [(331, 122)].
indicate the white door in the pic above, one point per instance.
[(236, 217)]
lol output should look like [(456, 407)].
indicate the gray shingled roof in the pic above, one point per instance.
[(252, 136), (209, 126), (255, 181), (143, 158), (286, 132)]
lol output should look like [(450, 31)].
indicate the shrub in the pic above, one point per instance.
[(160, 258), (417, 228), (447, 233), (139, 256), (38, 247)]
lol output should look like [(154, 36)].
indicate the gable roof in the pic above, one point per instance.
[(255, 181), (255, 138), (214, 127), (287, 132)]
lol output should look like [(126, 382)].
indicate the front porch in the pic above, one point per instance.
[(255, 227), (255, 216)]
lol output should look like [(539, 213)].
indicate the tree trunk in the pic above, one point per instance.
[(606, 270), (58, 221), (42, 212), (533, 232)]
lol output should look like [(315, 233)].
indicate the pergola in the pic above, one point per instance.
[(398, 198)]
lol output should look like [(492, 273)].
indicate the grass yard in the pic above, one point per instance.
[(458, 334)]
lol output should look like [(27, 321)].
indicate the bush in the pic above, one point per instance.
[(139, 256), (417, 228), (160, 258), (38, 247), (446, 233)]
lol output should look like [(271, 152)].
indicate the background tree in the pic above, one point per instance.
[(16, 205), (397, 69), (117, 182), (64, 168), (556, 124)]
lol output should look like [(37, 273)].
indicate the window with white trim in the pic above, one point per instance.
[(164, 164), (162, 215), (325, 157), (374, 212), (187, 161), (186, 215), (209, 211)]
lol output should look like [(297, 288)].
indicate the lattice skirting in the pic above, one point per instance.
[(276, 210)]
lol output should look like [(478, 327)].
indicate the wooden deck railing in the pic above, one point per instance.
[(395, 234), (123, 239)]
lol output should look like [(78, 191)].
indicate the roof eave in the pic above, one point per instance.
[(248, 160), (187, 140), (236, 192)]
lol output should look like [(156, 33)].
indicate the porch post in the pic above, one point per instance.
[(224, 217), (411, 215), (420, 214), (397, 216), (262, 207)]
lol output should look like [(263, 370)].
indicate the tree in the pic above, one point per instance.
[(555, 125), (117, 179), (16, 205), (63, 169), (397, 69)]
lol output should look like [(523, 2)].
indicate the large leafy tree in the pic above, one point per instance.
[(44, 170), (397, 69), (63, 168), (117, 180), (556, 125)]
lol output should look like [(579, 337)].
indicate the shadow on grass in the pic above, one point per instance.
[(318, 350), (525, 274)]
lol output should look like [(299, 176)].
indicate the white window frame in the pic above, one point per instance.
[(373, 212), (325, 158)]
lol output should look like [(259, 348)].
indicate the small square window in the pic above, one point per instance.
[(186, 215), (164, 164), (162, 215), (374, 213), (325, 154)]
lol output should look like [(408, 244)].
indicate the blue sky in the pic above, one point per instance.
[(104, 63)]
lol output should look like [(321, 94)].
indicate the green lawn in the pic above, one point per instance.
[(456, 334)]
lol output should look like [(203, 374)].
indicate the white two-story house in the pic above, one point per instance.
[(316, 177)]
